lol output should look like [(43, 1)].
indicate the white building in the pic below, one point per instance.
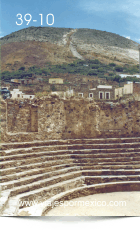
[(126, 75), (16, 94), (126, 89)]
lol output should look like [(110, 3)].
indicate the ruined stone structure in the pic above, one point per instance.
[(36, 174), (54, 118), (62, 149)]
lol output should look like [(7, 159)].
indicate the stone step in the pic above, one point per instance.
[(45, 193), (60, 152), (44, 183), (85, 191), (94, 147), (87, 155), (41, 209), (41, 194), (17, 151), (67, 158), (33, 161), (62, 169), (110, 172), (35, 172), (4, 196), (89, 180), (71, 153), (111, 167), (37, 177), (68, 141), (37, 166), (57, 165), (105, 146), (107, 163), (11, 207)]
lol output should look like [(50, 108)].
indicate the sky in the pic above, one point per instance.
[(117, 16)]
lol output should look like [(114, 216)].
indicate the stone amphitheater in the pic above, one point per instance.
[(38, 173), (65, 169)]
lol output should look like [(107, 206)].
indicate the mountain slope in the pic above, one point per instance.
[(40, 45)]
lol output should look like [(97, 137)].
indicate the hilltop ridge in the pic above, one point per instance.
[(39, 45)]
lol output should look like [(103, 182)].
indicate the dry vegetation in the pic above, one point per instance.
[(40, 45)]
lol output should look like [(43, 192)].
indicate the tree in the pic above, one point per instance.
[(22, 68), (119, 68), (92, 72), (117, 78), (101, 70), (112, 64)]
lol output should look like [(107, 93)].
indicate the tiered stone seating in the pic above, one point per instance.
[(65, 169)]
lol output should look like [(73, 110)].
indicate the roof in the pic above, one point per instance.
[(55, 79), (93, 89), (104, 87), (128, 75)]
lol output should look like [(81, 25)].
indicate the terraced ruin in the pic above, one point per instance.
[(58, 170)]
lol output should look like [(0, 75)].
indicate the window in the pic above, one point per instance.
[(30, 96), (80, 94), (90, 94), (18, 95), (101, 95), (107, 95)]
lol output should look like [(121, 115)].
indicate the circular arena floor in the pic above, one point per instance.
[(105, 204)]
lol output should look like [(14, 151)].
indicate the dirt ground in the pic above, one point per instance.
[(107, 204)]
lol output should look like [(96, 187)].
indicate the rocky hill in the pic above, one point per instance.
[(40, 45), (41, 34)]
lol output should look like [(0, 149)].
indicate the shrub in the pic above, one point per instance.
[(101, 70), (92, 72), (95, 66), (53, 88), (117, 78), (119, 68), (111, 74), (112, 64), (96, 61), (21, 68)]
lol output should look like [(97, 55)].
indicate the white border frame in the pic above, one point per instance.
[(80, 94), (89, 95), (102, 93), (105, 95)]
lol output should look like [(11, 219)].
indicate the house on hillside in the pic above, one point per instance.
[(16, 94), (128, 89), (101, 92), (55, 81), (26, 81)]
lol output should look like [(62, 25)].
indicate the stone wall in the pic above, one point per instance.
[(54, 118), (136, 88), (81, 119), (18, 117), (120, 119)]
